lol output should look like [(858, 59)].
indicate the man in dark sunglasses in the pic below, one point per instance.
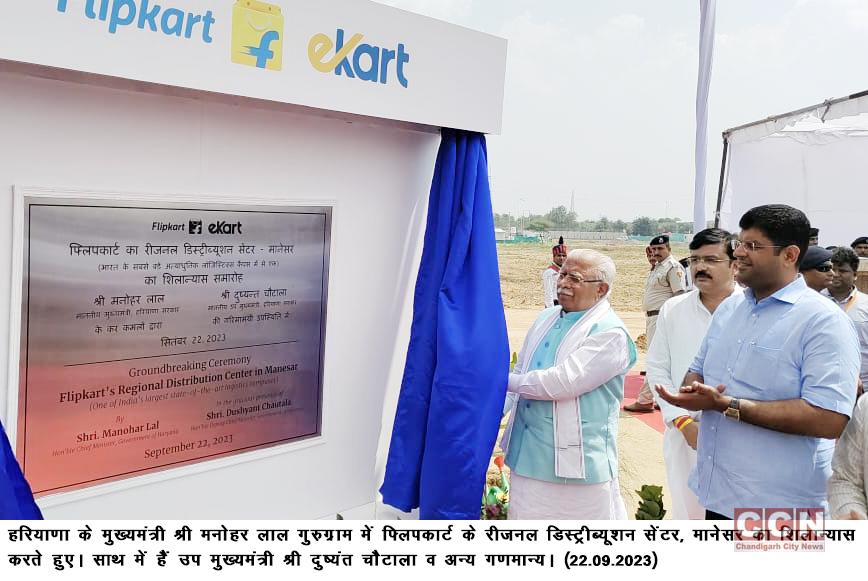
[(816, 267)]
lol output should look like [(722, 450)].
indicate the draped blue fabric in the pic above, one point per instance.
[(454, 383), (16, 500)]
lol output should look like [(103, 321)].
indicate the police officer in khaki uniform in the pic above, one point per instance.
[(667, 279)]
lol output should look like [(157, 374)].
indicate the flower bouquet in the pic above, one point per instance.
[(495, 500)]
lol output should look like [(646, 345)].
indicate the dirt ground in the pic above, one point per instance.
[(521, 266)]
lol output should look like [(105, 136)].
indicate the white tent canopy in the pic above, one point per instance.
[(813, 159)]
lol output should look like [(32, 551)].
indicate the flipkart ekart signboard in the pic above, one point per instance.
[(350, 56)]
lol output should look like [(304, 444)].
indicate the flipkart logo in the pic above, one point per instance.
[(355, 59), (257, 35)]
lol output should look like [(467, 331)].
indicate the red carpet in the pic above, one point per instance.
[(632, 385)]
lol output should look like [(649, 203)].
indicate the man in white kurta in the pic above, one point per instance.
[(848, 497), (681, 326), (561, 440)]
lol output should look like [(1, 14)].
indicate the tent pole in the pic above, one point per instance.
[(722, 176)]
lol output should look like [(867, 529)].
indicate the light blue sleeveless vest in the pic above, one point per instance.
[(531, 448)]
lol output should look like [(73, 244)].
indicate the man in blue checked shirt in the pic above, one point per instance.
[(779, 366)]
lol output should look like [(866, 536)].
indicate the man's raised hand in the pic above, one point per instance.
[(695, 397)]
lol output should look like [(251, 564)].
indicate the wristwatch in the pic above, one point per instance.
[(732, 411)]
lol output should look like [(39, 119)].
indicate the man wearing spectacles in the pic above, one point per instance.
[(681, 325), (816, 268), (562, 438), (773, 377), (666, 280)]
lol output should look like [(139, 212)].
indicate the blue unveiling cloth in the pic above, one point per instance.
[(793, 344), (455, 377), (16, 500)]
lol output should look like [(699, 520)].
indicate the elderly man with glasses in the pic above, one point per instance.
[(561, 440), (774, 378)]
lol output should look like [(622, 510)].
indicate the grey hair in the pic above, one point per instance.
[(601, 266)]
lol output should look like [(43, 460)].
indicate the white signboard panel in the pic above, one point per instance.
[(350, 56)]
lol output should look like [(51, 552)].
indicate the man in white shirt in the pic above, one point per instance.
[(550, 274), (681, 326), (847, 494)]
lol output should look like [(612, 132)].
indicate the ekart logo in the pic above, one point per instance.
[(196, 227), (218, 227), (376, 69), (257, 37)]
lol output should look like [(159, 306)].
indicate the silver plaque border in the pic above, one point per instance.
[(24, 196)]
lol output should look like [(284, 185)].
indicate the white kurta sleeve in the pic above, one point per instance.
[(550, 287), (658, 365), (600, 358), (847, 485), (862, 332)]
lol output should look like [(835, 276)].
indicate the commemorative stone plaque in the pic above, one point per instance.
[(155, 336)]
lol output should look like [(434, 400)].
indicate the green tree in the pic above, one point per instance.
[(666, 225), (539, 225), (504, 221), (642, 227), (562, 218)]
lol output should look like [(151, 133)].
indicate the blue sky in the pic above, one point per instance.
[(600, 95)]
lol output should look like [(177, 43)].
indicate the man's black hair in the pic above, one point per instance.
[(782, 224), (713, 236), (844, 255)]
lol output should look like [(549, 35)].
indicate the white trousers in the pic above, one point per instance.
[(531, 499), (646, 396), (680, 459)]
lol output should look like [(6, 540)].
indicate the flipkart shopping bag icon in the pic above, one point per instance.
[(257, 35)]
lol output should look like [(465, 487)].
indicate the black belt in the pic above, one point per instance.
[(652, 313)]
